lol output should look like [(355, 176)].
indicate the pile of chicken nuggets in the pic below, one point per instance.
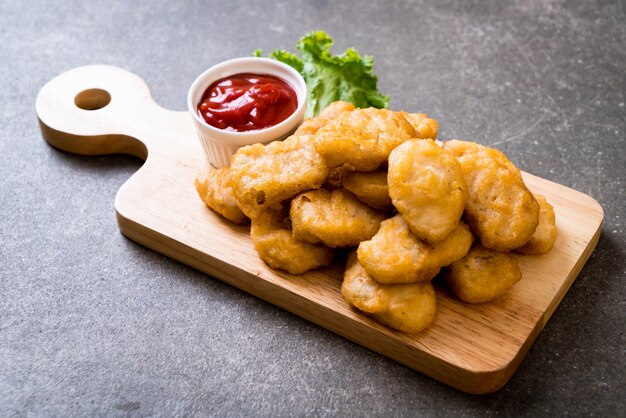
[(375, 182)]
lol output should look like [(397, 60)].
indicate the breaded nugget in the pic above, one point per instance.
[(335, 177), (333, 181), (370, 188), (482, 275), (310, 126), (362, 138), (427, 187), (360, 290), (500, 210), (454, 247), (396, 255), (276, 245), (545, 235), (216, 192), (405, 307), (335, 109), (336, 219), (264, 175), (411, 307), (423, 125)]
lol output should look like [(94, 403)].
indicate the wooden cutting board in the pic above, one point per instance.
[(98, 109)]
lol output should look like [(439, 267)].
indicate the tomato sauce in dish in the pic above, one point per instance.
[(247, 102)]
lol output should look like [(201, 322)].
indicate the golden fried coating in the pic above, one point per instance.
[(423, 125), (310, 126), (411, 307), (500, 210), (216, 192), (264, 175), (427, 187), (405, 307), (545, 235), (276, 245), (396, 255), (336, 219), (335, 177), (360, 289), (454, 247), (482, 275), (363, 138), (370, 188), (335, 109), (333, 181)]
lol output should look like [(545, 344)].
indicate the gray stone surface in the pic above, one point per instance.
[(94, 324)]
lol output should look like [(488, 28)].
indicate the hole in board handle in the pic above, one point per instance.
[(92, 99)]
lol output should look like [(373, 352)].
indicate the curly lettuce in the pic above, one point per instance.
[(329, 77)]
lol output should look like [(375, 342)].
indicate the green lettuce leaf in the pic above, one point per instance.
[(330, 77)]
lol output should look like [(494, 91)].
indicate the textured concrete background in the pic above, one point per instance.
[(93, 324)]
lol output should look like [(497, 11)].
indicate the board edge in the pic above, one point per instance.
[(475, 382)]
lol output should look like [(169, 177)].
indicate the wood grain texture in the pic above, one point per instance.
[(475, 348)]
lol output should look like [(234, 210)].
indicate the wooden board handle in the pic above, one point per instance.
[(101, 109)]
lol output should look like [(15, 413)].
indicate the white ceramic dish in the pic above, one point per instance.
[(220, 145)]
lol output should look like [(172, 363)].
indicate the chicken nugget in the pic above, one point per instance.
[(335, 177), (545, 235), (216, 192), (264, 175), (482, 275), (276, 245), (370, 188), (427, 187), (396, 255), (411, 307), (335, 109), (336, 219), (360, 290), (310, 126), (423, 125), (405, 307), (501, 211), (454, 247), (363, 138)]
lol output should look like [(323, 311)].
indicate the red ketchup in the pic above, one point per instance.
[(247, 102)]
